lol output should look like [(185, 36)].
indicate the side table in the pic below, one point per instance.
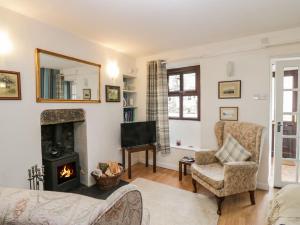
[(184, 163)]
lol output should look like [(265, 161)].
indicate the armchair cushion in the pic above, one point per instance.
[(213, 174), (233, 177), (232, 151), (205, 156)]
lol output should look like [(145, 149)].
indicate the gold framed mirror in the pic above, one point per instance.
[(61, 78)]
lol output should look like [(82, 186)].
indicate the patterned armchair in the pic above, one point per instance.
[(232, 177), (21, 206)]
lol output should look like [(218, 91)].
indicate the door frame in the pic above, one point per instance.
[(285, 62)]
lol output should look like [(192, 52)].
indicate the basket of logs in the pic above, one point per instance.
[(108, 175)]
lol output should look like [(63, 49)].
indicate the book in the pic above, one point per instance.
[(188, 159)]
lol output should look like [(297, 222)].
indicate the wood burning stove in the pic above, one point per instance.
[(66, 172), (62, 173)]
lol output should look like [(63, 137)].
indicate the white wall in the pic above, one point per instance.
[(20, 132), (252, 66), (187, 132)]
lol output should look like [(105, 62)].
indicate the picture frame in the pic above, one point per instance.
[(113, 93), (229, 113), (10, 85), (81, 80), (229, 89), (87, 94)]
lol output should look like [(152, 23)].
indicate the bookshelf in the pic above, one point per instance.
[(129, 98)]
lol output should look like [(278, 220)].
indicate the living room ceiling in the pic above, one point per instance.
[(143, 27)]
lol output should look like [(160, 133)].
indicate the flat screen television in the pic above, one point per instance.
[(138, 133)]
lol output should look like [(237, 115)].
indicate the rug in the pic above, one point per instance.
[(172, 206), (95, 192)]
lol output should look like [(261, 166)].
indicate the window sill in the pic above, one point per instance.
[(185, 148), (184, 119)]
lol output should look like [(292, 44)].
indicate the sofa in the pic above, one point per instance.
[(28, 207), (285, 206)]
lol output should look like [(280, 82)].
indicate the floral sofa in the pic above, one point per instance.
[(26, 207), (285, 206)]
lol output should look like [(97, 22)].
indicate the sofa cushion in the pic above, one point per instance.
[(232, 151), (212, 173)]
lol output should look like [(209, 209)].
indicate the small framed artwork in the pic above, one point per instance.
[(10, 85), (87, 94), (112, 93), (229, 89), (229, 113)]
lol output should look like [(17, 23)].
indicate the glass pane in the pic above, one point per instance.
[(190, 106), (189, 82), (290, 126), (173, 106), (289, 148), (289, 101), (287, 117), (288, 171), (290, 79), (288, 82), (174, 83)]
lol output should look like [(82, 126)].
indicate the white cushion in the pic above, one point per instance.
[(232, 151)]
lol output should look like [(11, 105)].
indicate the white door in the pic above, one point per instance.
[(286, 128)]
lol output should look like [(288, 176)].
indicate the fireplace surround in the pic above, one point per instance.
[(63, 148)]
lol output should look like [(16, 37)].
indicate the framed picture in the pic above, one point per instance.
[(87, 94), (10, 85), (112, 93), (229, 113), (229, 89)]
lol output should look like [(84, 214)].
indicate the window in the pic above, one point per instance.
[(184, 93)]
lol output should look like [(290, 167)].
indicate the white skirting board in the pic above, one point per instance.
[(263, 186)]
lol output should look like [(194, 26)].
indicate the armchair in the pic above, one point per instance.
[(232, 177)]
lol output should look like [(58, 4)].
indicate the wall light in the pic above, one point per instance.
[(112, 70), (5, 43), (230, 69)]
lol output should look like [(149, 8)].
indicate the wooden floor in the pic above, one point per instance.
[(237, 209)]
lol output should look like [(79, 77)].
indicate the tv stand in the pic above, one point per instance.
[(141, 148)]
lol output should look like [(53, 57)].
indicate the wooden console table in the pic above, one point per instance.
[(145, 148)]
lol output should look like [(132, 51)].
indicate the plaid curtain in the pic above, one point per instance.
[(50, 85), (157, 103), (60, 86)]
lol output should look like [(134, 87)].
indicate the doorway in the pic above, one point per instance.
[(285, 121)]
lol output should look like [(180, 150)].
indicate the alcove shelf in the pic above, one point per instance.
[(129, 98)]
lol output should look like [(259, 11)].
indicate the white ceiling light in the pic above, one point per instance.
[(5, 43)]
